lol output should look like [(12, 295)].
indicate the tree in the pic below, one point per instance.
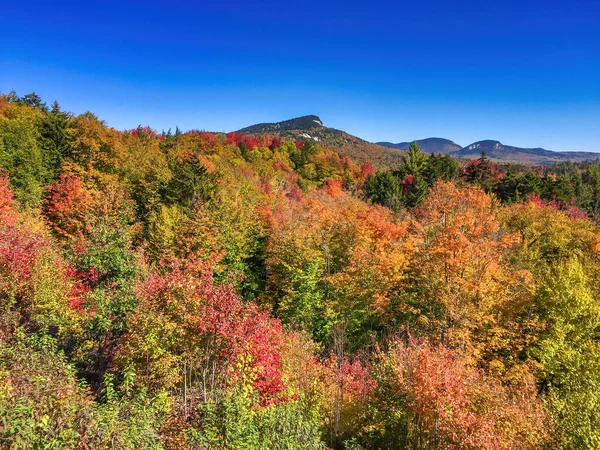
[(480, 172), (516, 187), (412, 174), (67, 207), (333, 259), (199, 337), (190, 183), (33, 100), (569, 352), (471, 297), (21, 154), (384, 189), (440, 167), (429, 397), (56, 141)]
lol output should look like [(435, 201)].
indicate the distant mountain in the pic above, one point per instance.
[(311, 127), (389, 155), (429, 145), (496, 151)]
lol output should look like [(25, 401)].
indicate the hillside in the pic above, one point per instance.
[(311, 127), (496, 151), (164, 291)]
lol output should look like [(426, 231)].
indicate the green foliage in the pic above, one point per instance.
[(384, 189), (190, 183), (233, 424), (303, 303), (55, 140), (440, 167), (412, 173), (130, 418), (516, 187), (569, 352), (41, 404), (21, 154)]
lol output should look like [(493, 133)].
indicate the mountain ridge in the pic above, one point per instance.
[(346, 144), (429, 145), (499, 152), (389, 155)]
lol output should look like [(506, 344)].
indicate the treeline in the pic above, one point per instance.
[(222, 291), (568, 186)]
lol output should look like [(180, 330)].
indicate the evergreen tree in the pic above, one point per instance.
[(189, 184), (55, 141), (384, 189), (480, 173), (412, 172), (440, 167)]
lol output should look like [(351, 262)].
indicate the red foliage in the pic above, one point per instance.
[(243, 142), (367, 170), (299, 144), (407, 182), (280, 165), (347, 163), (66, 204), (332, 188), (496, 174), (146, 132), (461, 405), (18, 252), (569, 209), (275, 142), (204, 140), (83, 282), (540, 203), (266, 186), (575, 213), (245, 341), (295, 194), (356, 379)]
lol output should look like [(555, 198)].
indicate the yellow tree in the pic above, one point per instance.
[(473, 296)]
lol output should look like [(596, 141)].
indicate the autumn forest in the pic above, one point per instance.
[(190, 289)]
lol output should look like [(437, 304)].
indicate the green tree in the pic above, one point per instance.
[(384, 189), (515, 187), (21, 154), (569, 352), (55, 140), (412, 173), (480, 172), (440, 166), (190, 183)]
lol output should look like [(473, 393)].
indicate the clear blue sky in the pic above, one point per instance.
[(526, 73)]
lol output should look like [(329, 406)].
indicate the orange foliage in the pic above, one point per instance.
[(461, 265)]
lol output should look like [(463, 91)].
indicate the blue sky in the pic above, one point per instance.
[(526, 73)]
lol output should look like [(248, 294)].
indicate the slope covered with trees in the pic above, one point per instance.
[(201, 290), (311, 128)]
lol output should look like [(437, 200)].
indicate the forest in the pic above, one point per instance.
[(171, 290)]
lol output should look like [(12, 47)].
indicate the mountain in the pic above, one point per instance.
[(499, 152), (311, 127), (496, 151), (429, 145), (389, 155), (306, 123)]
